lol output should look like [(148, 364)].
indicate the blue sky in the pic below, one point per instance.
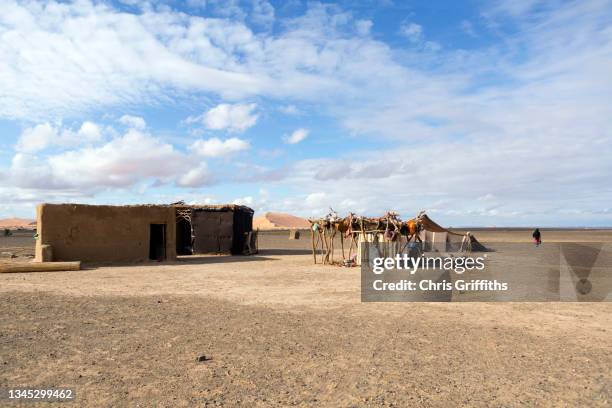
[(481, 113)]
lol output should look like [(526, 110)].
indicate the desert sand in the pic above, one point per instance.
[(14, 223), (273, 221), (279, 331)]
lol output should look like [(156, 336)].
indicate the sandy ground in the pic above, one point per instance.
[(281, 332), (20, 244)]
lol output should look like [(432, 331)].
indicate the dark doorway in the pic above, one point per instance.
[(184, 244), (243, 224), (157, 243)]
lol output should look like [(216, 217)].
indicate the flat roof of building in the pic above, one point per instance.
[(206, 207)]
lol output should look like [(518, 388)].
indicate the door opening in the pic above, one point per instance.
[(184, 239), (157, 243)]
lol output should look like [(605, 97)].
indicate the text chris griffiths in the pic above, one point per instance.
[(458, 265), (429, 285)]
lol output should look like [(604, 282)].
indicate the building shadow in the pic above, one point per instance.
[(181, 260), (211, 259), (279, 251)]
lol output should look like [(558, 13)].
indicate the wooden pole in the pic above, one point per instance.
[(320, 242), (312, 240), (326, 238), (40, 267), (324, 246), (331, 250)]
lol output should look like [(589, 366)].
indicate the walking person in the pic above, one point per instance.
[(537, 237)]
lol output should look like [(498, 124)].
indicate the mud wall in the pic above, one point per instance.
[(213, 231), (93, 233)]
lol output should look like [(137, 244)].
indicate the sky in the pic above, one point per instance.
[(481, 113)]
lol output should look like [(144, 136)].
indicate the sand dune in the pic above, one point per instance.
[(271, 221), (13, 223)]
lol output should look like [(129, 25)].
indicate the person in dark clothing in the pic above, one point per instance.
[(537, 237)]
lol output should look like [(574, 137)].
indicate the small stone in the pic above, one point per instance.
[(203, 358)]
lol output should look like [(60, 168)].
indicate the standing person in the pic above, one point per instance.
[(537, 237)]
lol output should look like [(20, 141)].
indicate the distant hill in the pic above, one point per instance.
[(272, 220), (14, 223)]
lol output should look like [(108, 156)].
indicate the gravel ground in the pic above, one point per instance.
[(279, 331)]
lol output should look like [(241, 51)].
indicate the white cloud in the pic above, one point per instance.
[(196, 177), (453, 185), (135, 122), (89, 132), (363, 27), (22, 201), (122, 162), (119, 163), (230, 9), (516, 8), (316, 198), (60, 58), (486, 197), (216, 147), (44, 135), (431, 46), (262, 13), (95, 56), (36, 138), (237, 117), (28, 171), (244, 201), (318, 202), (412, 31), (289, 110), (297, 136)]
